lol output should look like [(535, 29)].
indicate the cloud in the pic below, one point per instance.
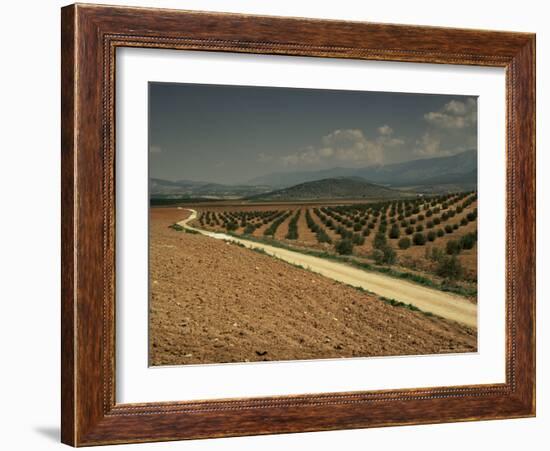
[(155, 149), (454, 115), (429, 145), (348, 146), (451, 129), (385, 130)]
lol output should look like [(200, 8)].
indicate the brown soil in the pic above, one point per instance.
[(213, 302), (282, 230), (305, 235)]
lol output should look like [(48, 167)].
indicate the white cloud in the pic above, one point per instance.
[(385, 130), (155, 149), (428, 146), (454, 115), (326, 152), (452, 129), (348, 146), (307, 157)]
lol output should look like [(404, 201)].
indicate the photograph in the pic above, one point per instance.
[(297, 224), (267, 226)]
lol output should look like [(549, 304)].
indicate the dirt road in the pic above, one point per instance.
[(443, 304)]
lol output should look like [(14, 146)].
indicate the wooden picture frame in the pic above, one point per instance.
[(90, 36)]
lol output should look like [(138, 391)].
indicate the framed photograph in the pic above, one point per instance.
[(279, 225)]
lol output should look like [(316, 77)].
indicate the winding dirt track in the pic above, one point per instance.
[(443, 304)]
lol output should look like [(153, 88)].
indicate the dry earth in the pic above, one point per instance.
[(213, 302)]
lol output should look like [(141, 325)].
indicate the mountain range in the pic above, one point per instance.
[(431, 175), (190, 188), (459, 169)]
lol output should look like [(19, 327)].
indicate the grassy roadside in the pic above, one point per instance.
[(416, 278)]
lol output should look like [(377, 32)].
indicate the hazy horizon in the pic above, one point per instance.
[(232, 134), (244, 182)]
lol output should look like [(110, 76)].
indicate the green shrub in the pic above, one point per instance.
[(431, 235), (419, 239), (435, 254), (358, 239), (385, 255), (467, 241), (419, 228), (409, 230), (378, 256), (379, 241), (449, 228), (440, 232), (450, 268), (453, 247), (176, 227), (394, 233), (404, 243), (390, 256), (322, 237), (344, 247), (249, 229), (232, 226)]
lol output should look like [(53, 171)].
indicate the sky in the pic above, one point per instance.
[(231, 134)]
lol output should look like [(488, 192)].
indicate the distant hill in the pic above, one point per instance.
[(332, 188), (459, 170), (166, 188)]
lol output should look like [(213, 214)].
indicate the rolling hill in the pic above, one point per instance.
[(332, 188), (187, 188)]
